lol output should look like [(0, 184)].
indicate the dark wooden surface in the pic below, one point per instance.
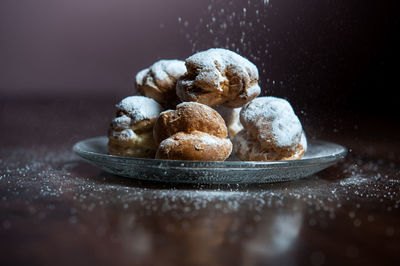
[(58, 210)]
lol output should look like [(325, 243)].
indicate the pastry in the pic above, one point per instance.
[(218, 77), (272, 131), (194, 146), (159, 81), (193, 131), (248, 149), (232, 119), (131, 131)]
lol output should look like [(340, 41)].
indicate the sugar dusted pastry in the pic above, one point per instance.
[(159, 81), (193, 131), (248, 149), (272, 131), (218, 77), (194, 146), (131, 131), (232, 119)]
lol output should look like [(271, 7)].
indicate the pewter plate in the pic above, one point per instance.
[(320, 155)]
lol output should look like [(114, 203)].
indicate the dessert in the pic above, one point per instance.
[(273, 131), (261, 129), (131, 131), (193, 131), (194, 146), (218, 77), (159, 81)]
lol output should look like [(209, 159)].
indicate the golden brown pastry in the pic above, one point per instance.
[(188, 117), (131, 131), (272, 131), (218, 77), (193, 131), (159, 81), (194, 146)]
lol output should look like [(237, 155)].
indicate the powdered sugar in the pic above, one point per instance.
[(357, 179), (165, 68), (161, 73), (127, 134), (215, 67), (253, 91), (241, 145), (42, 183), (231, 117), (303, 140), (168, 142), (210, 139), (218, 77), (140, 107), (198, 136), (274, 119), (221, 59), (194, 103), (141, 75), (124, 135), (121, 122)]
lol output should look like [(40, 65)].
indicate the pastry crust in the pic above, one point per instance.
[(188, 117), (218, 77), (196, 146), (193, 131), (131, 131), (272, 131), (248, 149), (159, 80)]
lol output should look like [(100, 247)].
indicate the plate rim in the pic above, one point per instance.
[(339, 155)]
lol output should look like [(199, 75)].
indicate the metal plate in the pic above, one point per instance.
[(320, 155)]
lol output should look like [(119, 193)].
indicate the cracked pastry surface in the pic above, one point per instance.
[(131, 131), (218, 77), (193, 131), (159, 80), (272, 131), (196, 146)]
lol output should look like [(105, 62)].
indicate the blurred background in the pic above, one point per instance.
[(335, 61)]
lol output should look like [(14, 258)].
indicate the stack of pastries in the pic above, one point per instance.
[(205, 109)]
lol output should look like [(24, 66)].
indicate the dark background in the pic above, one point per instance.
[(335, 61)]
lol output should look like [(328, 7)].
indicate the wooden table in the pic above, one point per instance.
[(56, 209)]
